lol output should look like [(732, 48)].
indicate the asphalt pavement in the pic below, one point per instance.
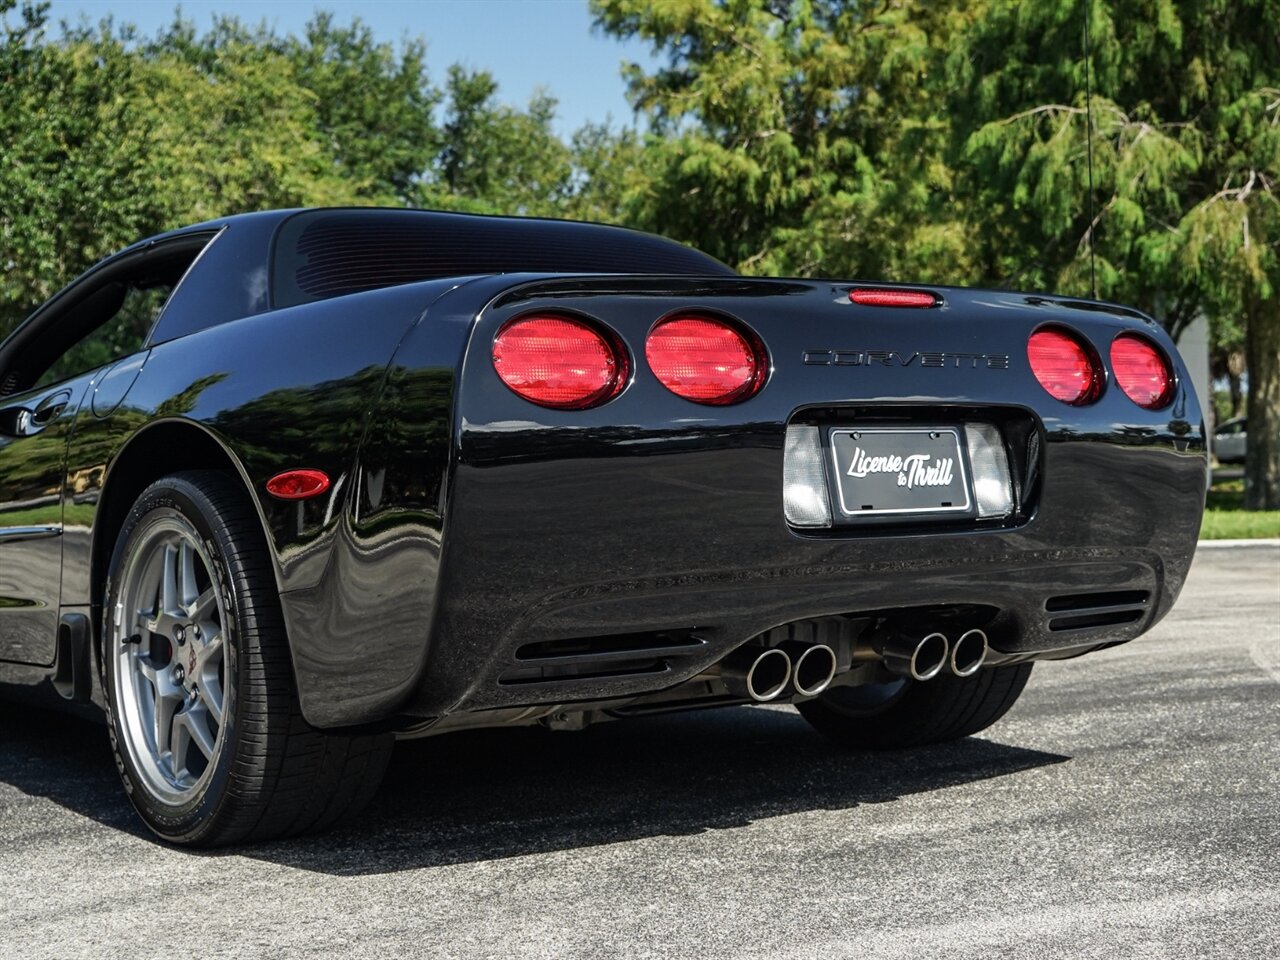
[(1127, 807)]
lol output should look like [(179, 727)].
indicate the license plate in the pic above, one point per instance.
[(883, 472)]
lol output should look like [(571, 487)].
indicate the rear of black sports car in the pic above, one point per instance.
[(676, 492), (397, 473)]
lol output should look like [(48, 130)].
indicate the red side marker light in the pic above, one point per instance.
[(298, 484), (890, 297), (1142, 371)]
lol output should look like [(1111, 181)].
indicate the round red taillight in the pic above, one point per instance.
[(1064, 366), (560, 362), (1142, 371), (706, 360)]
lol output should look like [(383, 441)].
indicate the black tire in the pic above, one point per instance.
[(910, 713), (268, 773)]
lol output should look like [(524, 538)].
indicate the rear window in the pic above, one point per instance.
[(331, 253)]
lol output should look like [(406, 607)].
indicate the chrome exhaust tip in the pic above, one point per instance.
[(761, 674), (969, 653), (921, 659), (813, 667)]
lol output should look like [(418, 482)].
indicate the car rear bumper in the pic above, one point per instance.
[(659, 547)]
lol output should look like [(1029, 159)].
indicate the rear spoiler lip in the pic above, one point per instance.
[(576, 285)]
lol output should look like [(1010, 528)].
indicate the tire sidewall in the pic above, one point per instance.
[(171, 497)]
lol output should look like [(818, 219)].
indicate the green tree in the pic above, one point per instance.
[(105, 141), (1186, 156), (799, 137), (374, 105), (610, 171), (70, 190), (495, 158)]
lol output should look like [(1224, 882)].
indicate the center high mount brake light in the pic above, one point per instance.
[(893, 297)]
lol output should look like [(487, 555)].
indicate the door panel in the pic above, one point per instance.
[(34, 429)]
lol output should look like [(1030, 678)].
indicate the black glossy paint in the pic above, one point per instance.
[(464, 523), (33, 448)]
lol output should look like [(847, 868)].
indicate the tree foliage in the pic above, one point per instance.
[(1185, 125), (798, 137), (106, 137), (495, 158)]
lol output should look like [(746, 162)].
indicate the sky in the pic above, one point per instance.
[(525, 44)]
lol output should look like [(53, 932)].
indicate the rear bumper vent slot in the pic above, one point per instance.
[(600, 658), (1085, 611), (1092, 601)]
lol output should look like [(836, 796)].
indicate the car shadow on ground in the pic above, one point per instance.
[(487, 795)]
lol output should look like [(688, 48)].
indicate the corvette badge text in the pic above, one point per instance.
[(913, 471), (895, 358)]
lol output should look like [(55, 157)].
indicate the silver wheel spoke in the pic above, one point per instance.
[(203, 605), (181, 743), (148, 670), (186, 583), (210, 691), (209, 671), (169, 603), (165, 698), (165, 709), (195, 724)]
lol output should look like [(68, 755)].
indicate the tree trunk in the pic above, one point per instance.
[(1262, 356), (1235, 371)]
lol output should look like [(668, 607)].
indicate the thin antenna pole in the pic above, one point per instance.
[(1088, 115)]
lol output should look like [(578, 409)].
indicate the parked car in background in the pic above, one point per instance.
[(1230, 440)]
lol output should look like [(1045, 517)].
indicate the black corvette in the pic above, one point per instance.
[(277, 489)]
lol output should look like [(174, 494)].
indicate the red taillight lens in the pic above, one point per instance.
[(1064, 367), (889, 297), (1142, 371), (298, 484), (559, 362), (706, 360)]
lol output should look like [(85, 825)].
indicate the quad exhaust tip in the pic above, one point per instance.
[(761, 674), (969, 653), (766, 673), (813, 667), (921, 659)]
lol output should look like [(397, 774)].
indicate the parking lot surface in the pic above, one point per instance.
[(1128, 806)]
